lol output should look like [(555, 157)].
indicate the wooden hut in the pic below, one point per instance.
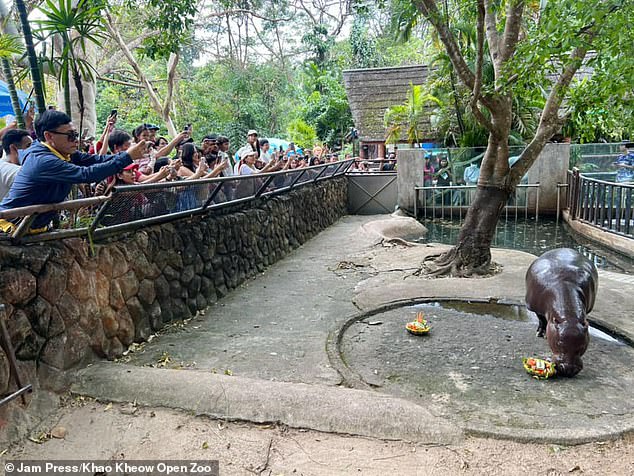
[(370, 93)]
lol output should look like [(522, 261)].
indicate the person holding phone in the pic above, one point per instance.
[(101, 147), (54, 164)]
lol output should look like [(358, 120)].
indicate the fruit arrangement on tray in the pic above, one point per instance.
[(419, 326), (539, 368)]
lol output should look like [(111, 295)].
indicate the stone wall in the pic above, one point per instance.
[(67, 306)]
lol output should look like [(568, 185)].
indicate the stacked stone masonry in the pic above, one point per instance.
[(67, 305)]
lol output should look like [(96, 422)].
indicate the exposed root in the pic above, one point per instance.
[(452, 264), (397, 241)]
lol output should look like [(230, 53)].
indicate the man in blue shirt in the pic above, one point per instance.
[(52, 165), (625, 164)]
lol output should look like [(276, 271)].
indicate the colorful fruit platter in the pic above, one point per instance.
[(539, 368), (419, 326)]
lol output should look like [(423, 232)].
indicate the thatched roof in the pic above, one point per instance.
[(371, 91)]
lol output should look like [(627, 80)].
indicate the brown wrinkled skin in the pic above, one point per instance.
[(561, 286)]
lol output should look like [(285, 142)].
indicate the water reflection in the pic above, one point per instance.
[(525, 234)]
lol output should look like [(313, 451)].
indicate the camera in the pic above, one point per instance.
[(113, 113), (187, 128)]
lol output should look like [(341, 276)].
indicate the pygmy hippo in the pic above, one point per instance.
[(561, 286)]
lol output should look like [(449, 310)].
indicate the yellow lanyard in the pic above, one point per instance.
[(57, 154)]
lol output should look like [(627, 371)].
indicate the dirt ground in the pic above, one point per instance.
[(96, 430)]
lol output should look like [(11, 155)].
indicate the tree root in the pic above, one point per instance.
[(452, 264)]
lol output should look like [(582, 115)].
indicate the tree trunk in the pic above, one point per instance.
[(36, 74), (472, 253)]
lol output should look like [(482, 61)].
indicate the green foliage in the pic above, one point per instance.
[(410, 114), (10, 45), (74, 24), (173, 20), (364, 46), (599, 104), (302, 134), (326, 106)]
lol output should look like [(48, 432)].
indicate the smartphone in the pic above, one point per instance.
[(113, 113)]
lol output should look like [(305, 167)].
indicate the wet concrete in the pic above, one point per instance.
[(282, 346), (470, 366)]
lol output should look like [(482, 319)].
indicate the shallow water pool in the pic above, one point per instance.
[(533, 237)]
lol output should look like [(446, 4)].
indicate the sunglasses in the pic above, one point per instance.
[(72, 135)]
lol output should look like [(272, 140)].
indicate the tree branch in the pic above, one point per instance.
[(430, 11), (549, 121), (480, 54), (154, 99), (237, 11), (115, 59), (122, 83), (514, 13), (172, 63), (493, 38)]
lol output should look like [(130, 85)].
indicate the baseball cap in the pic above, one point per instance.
[(131, 167), (245, 153), (252, 132), (211, 137), (152, 127)]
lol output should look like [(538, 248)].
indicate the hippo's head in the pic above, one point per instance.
[(568, 366), (568, 340)]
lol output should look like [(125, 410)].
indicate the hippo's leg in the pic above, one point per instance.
[(541, 327)]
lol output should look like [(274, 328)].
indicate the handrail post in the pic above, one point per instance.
[(325, 167), (212, 195), (23, 228), (299, 175), (266, 183), (100, 214)]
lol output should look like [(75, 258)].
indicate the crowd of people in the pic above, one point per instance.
[(43, 163)]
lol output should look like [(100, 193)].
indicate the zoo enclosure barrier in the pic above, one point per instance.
[(130, 207), (454, 200), (604, 205), (372, 193)]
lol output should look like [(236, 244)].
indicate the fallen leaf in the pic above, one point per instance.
[(205, 445), (129, 409), (39, 439), (59, 432), (228, 372), (375, 323), (108, 407), (574, 468)]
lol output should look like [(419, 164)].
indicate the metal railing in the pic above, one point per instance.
[(604, 205), (455, 200), (131, 207)]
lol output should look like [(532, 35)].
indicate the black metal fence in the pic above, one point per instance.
[(454, 200), (134, 206), (605, 205)]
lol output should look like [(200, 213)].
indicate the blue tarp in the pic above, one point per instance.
[(276, 143), (5, 100)]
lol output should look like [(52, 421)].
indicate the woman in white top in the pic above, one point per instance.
[(246, 166)]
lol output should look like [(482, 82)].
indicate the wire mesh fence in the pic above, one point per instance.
[(133, 206)]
